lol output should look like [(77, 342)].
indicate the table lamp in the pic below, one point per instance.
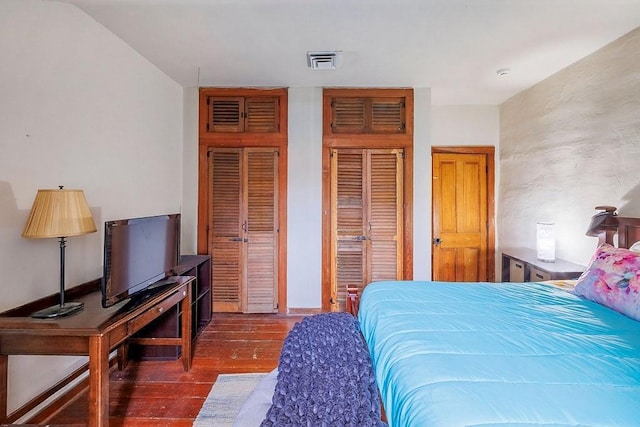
[(546, 241), (59, 213)]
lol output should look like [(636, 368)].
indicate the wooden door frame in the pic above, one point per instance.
[(489, 153), (207, 140)]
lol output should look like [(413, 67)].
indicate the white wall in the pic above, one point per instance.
[(465, 125), (80, 108), (304, 205), (189, 220), (422, 137), (570, 143), (468, 125)]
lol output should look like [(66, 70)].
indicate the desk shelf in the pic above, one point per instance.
[(142, 346)]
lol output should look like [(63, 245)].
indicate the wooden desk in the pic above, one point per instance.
[(94, 332)]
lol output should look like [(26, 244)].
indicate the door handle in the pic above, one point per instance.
[(437, 241)]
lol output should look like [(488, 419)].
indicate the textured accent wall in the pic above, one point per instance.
[(568, 144)]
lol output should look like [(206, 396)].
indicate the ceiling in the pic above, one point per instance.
[(454, 47)]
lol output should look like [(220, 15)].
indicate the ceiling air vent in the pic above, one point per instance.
[(327, 60)]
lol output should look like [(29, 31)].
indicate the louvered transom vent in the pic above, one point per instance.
[(368, 115), (262, 114), (225, 114), (348, 115), (243, 114), (387, 115)]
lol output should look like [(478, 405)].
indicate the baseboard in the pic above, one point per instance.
[(303, 310)]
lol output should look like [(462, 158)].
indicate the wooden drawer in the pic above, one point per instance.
[(145, 318), (516, 271), (539, 275)]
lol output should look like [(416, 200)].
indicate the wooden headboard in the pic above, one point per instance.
[(606, 224), (628, 232)]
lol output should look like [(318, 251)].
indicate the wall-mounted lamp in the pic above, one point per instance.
[(546, 241)]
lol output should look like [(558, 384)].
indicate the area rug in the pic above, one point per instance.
[(225, 399)]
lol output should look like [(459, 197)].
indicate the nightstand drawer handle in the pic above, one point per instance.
[(539, 276), (518, 265)]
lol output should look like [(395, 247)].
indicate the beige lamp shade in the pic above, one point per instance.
[(59, 213)]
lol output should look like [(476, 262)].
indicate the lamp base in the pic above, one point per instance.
[(58, 310)]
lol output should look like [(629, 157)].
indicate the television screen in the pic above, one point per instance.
[(138, 253)]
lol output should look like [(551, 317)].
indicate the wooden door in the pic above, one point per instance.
[(366, 219), (243, 227), (460, 217)]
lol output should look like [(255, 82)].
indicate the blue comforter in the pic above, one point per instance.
[(453, 354)]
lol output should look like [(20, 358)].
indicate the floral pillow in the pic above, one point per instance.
[(613, 280)]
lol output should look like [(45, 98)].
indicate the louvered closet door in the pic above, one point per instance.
[(366, 223), (385, 218), (243, 229), (347, 223), (261, 231), (226, 236)]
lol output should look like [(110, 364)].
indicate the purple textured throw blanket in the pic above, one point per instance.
[(325, 376)]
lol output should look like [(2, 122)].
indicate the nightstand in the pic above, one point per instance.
[(522, 265)]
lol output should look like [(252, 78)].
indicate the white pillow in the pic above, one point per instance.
[(635, 247)]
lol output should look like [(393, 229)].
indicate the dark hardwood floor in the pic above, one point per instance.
[(152, 393)]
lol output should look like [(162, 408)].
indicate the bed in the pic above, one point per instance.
[(516, 354)]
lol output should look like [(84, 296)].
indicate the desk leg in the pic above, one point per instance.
[(186, 330), (4, 377), (98, 381)]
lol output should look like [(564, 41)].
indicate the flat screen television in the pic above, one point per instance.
[(138, 254)]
